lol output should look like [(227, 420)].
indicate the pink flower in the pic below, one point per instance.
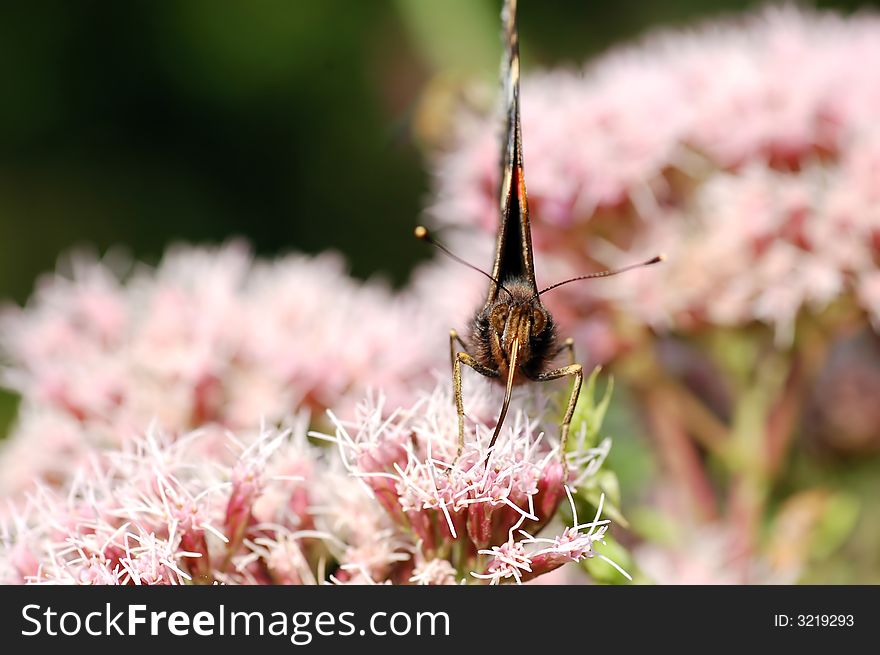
[(388, 504), (405, 460), (747, 151), (434, 572), (531, 556), (705, 555), (211, 336), (161, 512)]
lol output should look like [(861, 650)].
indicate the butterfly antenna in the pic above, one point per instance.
[(616, 271), (422, 234)]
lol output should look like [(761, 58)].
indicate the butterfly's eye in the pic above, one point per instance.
[(539, 321), (499, 317)]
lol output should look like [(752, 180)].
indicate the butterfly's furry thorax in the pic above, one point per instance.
[(515, 318)]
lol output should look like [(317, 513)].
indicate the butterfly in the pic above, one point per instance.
[(513, 337)]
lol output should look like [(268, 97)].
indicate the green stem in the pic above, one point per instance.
[(751, 434)]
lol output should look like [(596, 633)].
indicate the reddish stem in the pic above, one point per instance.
[(679, 452)]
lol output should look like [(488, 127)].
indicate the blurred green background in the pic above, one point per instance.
[(289, 123)]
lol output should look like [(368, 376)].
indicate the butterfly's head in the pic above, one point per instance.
[(515, 327)]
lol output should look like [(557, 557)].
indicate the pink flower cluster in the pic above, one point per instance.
[(205, 508), (473, 516), (210, 336), (386, 505), (747, 151), (137, 393)]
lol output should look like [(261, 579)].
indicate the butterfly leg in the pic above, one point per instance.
[(464, 358), (577, 371), (453, 339)]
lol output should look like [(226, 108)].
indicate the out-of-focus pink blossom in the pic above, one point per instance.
[(708, 555), (211, 336), (48, 445), (747, 151), (434, 572)]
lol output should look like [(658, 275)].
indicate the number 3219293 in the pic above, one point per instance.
[(824, 620)]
